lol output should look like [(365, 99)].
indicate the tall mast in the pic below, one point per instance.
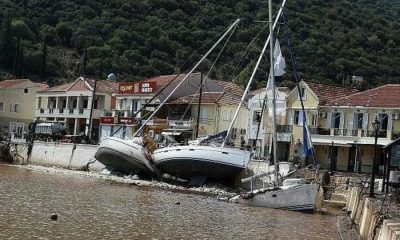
[(199, 105), (252, 75), (272, 75), (187, 75)]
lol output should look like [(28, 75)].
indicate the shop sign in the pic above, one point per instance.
[(107, 120), (141, 87), (127, 120)]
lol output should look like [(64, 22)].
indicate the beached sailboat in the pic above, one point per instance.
[(134, 155), (292, 194), (207, 161)]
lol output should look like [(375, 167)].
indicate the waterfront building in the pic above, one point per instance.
[(217, 109), (348, 129), (17, 104), (340, 121), (122, 120), (71, 104), (259, 127), (315, 96)]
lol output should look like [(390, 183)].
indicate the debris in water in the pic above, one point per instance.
[(54, 216), (177, 203)]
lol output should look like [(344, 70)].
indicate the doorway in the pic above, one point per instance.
[(334, 154), (352, 158)]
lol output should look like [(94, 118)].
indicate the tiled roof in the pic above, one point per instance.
[(384, 96), (327, 93), (206, 97), (104, 86), (6, 84), (209, 98), (258, 91), (164, 80), (230, 87)]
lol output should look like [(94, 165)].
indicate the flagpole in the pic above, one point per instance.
[(272, 75)]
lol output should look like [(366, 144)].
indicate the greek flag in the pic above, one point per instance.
[(308, 148)]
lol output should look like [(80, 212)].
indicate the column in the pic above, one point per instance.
[(67, 102), (76, 126)]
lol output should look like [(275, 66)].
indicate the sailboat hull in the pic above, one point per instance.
[(212, 162), (123, 156), (298, 198)]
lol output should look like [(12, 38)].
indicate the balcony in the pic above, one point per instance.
[(181, 123), (284, 128)]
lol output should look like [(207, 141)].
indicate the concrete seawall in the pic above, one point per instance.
[(375, 217), (66, 155)]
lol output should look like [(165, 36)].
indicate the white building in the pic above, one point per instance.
[(70, 104)]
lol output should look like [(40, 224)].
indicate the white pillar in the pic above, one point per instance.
[(56, 102), (78, 100), (76, 126), (37, 103), (67, 102)]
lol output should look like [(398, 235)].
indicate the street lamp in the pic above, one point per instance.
[(376, 125)]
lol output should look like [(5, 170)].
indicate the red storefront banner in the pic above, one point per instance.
[(127, 120), (140, 87), (107, 120)]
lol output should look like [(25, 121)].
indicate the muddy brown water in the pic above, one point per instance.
[(91, 208)]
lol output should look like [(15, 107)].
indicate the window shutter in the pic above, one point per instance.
[(350, 124), (328, 120), (390, 122), (365, 121), (341, 123)]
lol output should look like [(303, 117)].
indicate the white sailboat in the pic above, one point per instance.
[(293, 194), (132, 155), (207, 161)]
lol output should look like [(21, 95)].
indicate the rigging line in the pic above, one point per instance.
[(197, 50), (293, 60), (148, 103), (216, 59), (246, 50), (208, 73), (269, 39), (190, 72)]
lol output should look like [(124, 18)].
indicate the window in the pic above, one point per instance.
[(26, 90), (135, 106), (296, 118), (1, 106), (383, 119), (85, 103), (359, 120), (203, 115), (227, 115), (95, 104), (14, 107), (303, 94), (256, 117), (16, 128), (314, 119), (336, 120)]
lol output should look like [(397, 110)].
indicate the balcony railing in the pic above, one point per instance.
[(41, 111), (71, 111), (284, 128)]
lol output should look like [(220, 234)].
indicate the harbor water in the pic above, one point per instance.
[(93, 208)]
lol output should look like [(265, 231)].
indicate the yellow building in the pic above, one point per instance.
[(314, 96), (17, 105), (348, 127)]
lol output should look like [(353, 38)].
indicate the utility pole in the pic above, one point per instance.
[(199, 105), (91, 111)]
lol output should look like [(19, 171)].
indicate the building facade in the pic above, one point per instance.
[(17, 104), (71, 105)]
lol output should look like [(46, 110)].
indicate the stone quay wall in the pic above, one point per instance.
[(368, 215), (66, 155)]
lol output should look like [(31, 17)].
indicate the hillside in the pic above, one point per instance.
[(332, 40)]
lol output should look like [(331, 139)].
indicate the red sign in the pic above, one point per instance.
[(126, 120), (140, 87), (107, 120)]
